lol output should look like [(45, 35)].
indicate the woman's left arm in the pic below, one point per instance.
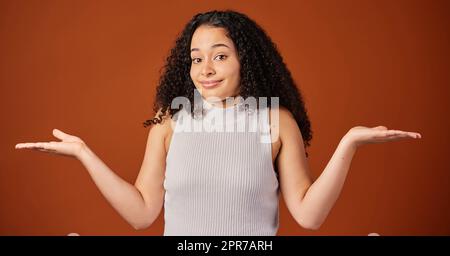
[(310, 202)]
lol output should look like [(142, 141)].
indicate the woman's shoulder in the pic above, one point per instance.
[(282, 114), (162, 132), (164, 127), (284, 121)]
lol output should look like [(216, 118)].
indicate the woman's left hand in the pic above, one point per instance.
[(361, 135)]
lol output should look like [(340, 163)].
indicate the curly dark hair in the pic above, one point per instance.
[(263, 72)]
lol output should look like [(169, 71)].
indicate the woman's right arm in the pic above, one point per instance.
[(139, 204)]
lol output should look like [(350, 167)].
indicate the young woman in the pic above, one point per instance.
[(222, 182)]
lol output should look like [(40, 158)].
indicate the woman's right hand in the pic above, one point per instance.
[(68, 146)]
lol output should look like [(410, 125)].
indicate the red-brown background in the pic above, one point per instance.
[(90, 68)]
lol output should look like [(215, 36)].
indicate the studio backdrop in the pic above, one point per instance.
[(90, 68)]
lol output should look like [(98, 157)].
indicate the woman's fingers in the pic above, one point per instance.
[(392, 135), (22, 145), (403, 134), (57, 147), (60, 134), (65, 137), (35, 145), (47, 147), (381, 127), (361, 135), (47, 150)]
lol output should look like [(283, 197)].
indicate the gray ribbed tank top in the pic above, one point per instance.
[(221, 182)]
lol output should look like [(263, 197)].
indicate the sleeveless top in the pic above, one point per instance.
[(220, 179)]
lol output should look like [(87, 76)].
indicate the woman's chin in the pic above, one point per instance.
[(214, 95)]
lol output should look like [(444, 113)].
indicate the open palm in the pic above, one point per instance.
[(361, 135), (69, 145)]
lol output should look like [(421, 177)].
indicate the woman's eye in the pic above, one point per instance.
[(194, 60), (197, 60), (224, 56)]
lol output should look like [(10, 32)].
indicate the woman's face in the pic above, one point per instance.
[(215, 68)]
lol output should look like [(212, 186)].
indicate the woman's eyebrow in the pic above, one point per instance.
[(213, 46)]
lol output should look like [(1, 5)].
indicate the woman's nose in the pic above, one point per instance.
[(207, 69)]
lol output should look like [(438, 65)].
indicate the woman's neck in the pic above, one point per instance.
[(225, 103)]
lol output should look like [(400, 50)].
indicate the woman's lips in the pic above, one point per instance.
[(210, 84)]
